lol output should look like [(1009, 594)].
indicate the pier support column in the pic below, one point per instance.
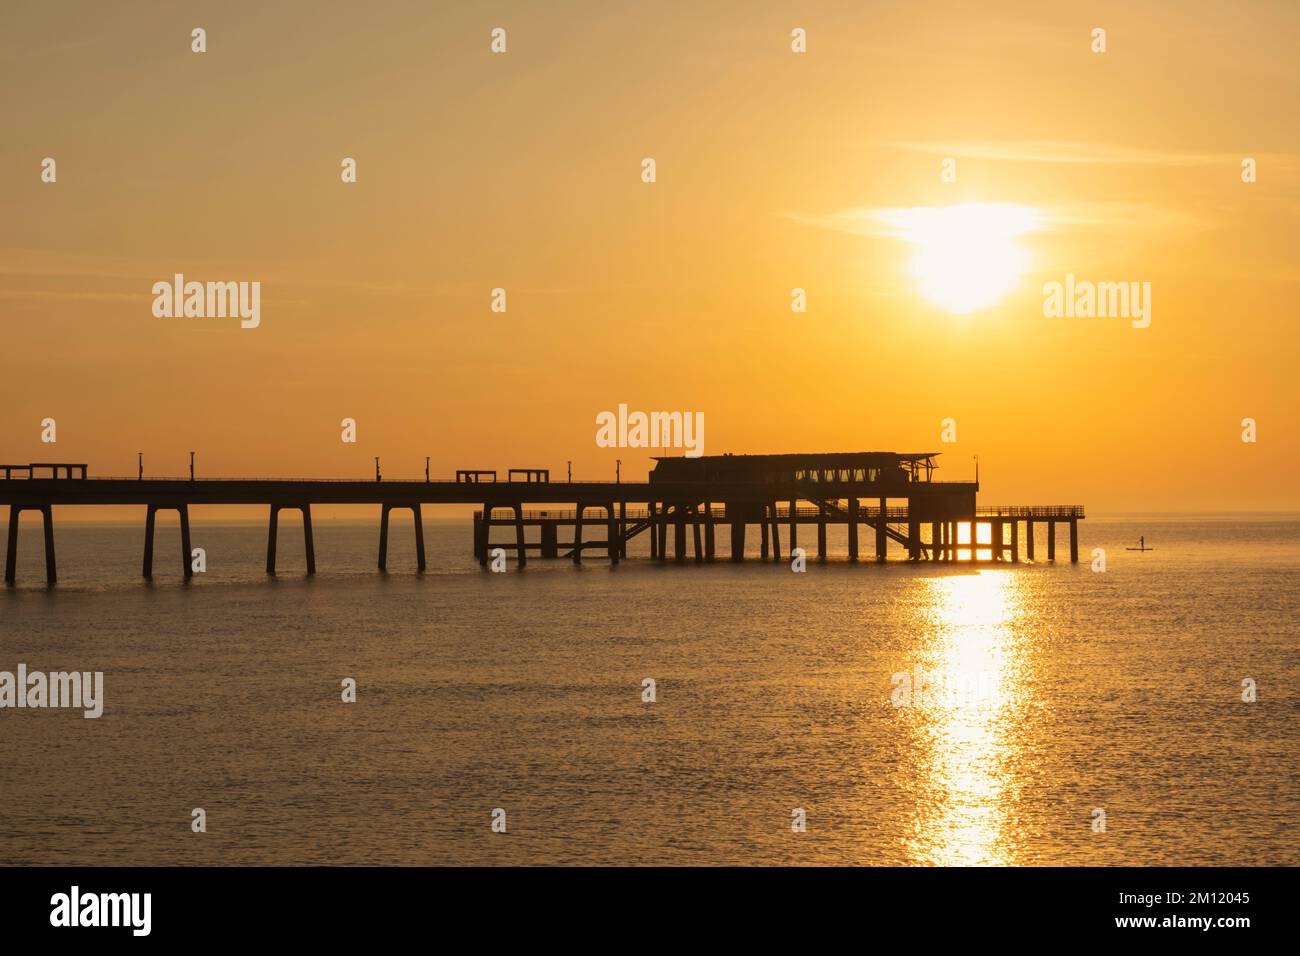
[(308, 539), (187, 563), (662, 531), (622, 530), (695, 532), (1074, 541), (935, 542), (821, 531), (11, 552), (577, 534), (150, 523), (51, 574), (737, 533), (1051, 541), (882, 540), (1015, 541), (484, 542), (913, 538), (1029, 539), (776, 535), (794, 524), (652, 518), (149, 516), (520, 547), (764, 529), (418, 516), (272, 528), (612, 535), (853, 529), (679, 532), (710, 543)]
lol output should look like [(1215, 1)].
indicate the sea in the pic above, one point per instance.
[(1136, 708)]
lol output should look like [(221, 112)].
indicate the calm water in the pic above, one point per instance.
[(1119, 691)]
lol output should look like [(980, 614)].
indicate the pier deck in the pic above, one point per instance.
[(891, 495)]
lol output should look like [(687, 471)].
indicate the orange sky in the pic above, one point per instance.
[(522, 171)]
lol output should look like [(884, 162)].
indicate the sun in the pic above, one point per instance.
[(968, 256)]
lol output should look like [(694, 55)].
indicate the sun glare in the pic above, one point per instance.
[(966, 257)]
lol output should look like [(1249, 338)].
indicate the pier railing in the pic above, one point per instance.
[(22, 473), (505, 515)]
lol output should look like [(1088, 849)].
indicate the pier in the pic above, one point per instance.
[(680, 507)]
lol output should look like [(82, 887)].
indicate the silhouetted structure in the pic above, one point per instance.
[(895, 495)]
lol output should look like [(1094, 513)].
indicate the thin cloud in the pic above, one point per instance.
[(59, 295), (1128, 216), (1056, 151)]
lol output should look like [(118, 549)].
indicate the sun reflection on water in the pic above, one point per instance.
[(966, 724)]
